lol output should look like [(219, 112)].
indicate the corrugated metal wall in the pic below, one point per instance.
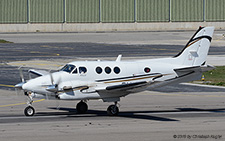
[(44, 11), (82, 11), (215, 10), (117, 10), (13, 11), (186, 10), (94, 11), (152, 10)]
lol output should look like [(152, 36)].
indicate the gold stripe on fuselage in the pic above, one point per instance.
[(132, 79)]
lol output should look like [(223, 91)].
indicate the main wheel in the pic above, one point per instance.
[(82, 107), (29, 111), (113, 110)]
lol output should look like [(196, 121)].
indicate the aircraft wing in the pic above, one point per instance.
[(107, 92), (126, 86), (38, 72)]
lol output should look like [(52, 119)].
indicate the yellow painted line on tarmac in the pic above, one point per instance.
[(19, 103), (3, 85), (34, 63)]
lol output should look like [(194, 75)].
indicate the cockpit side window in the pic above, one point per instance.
[(82, 70), (75, 71), (68, 68)]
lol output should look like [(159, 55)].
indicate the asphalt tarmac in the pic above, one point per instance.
[(177, 112), (144, 116)]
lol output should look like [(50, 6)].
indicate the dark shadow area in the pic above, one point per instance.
[(71, 112), (186, 88), (196, 109), (97, 113), (67, 114)]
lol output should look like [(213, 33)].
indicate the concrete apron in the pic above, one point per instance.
[(101, 27)]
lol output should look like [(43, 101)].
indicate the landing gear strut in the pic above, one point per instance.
[(82, 107), (29, 110), (113, 110)]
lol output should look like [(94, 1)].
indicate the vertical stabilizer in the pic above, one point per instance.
[(196, 50)]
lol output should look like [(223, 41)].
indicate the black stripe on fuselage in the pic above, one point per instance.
[(121, 78)]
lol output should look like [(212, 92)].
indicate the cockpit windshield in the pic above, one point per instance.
[(68, 68)]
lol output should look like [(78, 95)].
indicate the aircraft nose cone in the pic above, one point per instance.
[(27, 86), (19, 85), (24, 86)]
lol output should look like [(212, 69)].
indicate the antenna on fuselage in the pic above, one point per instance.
[(118, 59)]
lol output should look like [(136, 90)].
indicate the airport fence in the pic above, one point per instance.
[(111, 11)]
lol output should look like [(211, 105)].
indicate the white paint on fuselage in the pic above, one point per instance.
[(91, 77)]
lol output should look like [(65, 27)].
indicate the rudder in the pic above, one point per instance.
[(196, 50)]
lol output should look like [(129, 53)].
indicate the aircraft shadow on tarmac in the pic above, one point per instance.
[(71, 112)]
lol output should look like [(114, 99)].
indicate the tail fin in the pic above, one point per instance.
[(196, 50)]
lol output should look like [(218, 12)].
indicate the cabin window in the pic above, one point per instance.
[(147, 69), (116, 70), (82, 70), (108, 70), (98, 70), (68, 68)]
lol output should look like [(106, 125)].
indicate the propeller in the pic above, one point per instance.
[(21, 74), (18, 87), (54, 88), (54, 85)]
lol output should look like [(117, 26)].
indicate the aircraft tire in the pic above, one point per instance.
[(81, 107), (29, 111), (113, 110)]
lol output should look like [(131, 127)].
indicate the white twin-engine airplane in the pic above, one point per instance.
[(111, 80)]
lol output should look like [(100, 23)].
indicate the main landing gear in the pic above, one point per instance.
[(29, 110), (82, 107), (113, 110)]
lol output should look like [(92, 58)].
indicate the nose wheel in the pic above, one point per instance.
[(29, 111), (113, 110)]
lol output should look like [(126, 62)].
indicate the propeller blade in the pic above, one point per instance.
[(57, 104), (51, 77), (58, 81), (54, 86), (46, 96), (18, 91), (21, 74)]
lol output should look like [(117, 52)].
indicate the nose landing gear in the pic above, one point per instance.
[(29, 110)]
